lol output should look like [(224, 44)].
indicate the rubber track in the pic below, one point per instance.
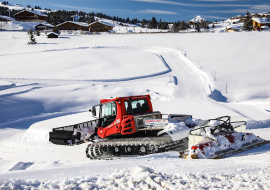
[(132, 147)]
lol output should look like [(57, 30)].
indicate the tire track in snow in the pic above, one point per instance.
[(190, 82), (97, 80)]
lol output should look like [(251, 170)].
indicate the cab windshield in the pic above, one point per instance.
[(107, 114), (108, 109)]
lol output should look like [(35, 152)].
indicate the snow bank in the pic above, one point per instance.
[(252, 124), (14, 25), (139, 177)]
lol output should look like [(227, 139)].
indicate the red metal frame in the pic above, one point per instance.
[(124, 123)]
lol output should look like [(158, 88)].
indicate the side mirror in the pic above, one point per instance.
[(90, 110), (94, 111)]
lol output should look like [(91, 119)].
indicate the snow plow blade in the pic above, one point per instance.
[(72, 134), (220, 138)]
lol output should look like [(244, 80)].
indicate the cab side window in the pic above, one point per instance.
[(139, 106)]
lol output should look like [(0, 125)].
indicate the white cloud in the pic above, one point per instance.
[(213, 17), (193, 5), (217, 0), (71, 7), (148, 11), (162, 2)]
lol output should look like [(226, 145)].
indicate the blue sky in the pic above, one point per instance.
[(167, 10)]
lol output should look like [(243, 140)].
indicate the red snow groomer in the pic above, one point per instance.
[(219, 138), (123, 126)]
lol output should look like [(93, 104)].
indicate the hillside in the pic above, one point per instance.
[(66, 76)]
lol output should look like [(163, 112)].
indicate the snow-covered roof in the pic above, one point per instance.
[(261, 20), (235, 26), (53, 33), (265, 27), (45, 24), (35, 12), (102, 22), (77, 23), (7, 18)]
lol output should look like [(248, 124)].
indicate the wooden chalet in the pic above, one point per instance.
[(69, 25), (192, 24), (6, 19), (30, 16), (52, 35), (260, 22), (99, 26), (232, 30), (234, 27), (43, 26)]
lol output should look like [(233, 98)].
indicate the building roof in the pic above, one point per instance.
[(7, 18), (77, 23), (53, 33), (235, 26), (261, 20), (265, 27), (102, 22), (35, 12), (44, 24)]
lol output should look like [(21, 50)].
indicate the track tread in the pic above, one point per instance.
[(132, 147)]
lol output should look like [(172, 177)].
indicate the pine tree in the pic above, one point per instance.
[(56, 30), (32, 38), (143, 23), (248, 22), (198, 27), (153, 23)]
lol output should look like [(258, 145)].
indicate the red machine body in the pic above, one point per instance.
[(116, 116)]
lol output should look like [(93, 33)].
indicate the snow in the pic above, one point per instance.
[(197, 19), (7, 18), (21, 26), (140, 177), (77, 23), (12, 6), (34, 12), (261, 20), (20, 7), (53, 33), (103, 22), (45, 24), (183, 73)]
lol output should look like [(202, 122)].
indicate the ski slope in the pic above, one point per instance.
[(60, 79)]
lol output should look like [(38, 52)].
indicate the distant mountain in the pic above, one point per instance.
[(198, 19)]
